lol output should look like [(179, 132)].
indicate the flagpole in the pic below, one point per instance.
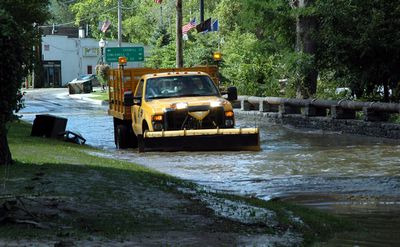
[(179, 49)]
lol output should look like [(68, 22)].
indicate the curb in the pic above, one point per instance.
[(87, 98)]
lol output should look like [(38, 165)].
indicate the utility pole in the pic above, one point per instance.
[(179, 48), (201, 11), (119, 23)]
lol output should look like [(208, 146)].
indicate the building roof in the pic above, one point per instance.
[(71, 32)]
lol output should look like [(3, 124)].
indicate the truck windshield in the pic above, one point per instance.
[(180, 86)]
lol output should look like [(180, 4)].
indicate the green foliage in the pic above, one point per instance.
[(101, 72), (17, 35), (60, 12), (295, 65), (161, 37), (93, 12), (199, 48), (162, 57), (11, 72), (248, 66), (359, 40)]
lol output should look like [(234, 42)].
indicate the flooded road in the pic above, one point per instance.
[(353, 176)]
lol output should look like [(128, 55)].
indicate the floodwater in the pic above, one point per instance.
[(358, 177)]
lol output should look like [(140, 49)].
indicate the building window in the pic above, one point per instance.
[(47, 47), (89, 69)]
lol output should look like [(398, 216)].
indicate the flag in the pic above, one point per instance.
[(158, 1), (105, 26), (186, 28), (215, 26), (205, 26)]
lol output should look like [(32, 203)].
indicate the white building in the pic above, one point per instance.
[(65, 58)]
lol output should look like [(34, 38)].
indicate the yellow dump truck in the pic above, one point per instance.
[(173, 110)]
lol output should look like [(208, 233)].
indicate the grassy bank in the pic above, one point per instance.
[(100, 95), (56, 190)]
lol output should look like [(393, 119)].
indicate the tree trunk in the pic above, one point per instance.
[(179, 48), (5, 154), (305, 26), (386, 90)]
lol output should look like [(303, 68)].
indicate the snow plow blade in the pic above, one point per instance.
[(246, 139)]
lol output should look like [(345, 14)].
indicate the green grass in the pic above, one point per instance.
[(112, 198), (100, 95), (90, 182)]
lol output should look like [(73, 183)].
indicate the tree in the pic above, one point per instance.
[(359, 43), (306, 24), (60, 12), (18, 20), (161, 37)]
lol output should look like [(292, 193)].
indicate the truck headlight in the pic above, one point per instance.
[(229, 123), (157, 126), (215, 103), (179, 106), (158, 122), (218, 103)]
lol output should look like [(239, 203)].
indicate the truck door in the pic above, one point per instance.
[(137, 118)]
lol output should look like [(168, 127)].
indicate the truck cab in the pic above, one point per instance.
[(177, 101)]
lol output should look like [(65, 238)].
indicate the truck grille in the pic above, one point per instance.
[(180, 119)]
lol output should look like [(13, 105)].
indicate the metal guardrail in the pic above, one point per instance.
[(338, 109)]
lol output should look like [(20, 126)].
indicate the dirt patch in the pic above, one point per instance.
[(84, 206)]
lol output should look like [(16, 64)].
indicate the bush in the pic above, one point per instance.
[(102, 73)]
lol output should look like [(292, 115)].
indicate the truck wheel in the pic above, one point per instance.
[(140, 139), (133, 140), (122, 137), (140, 143)]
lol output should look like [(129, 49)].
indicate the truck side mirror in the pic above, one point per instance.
[(232, 93), (128, 98), (137, 100)]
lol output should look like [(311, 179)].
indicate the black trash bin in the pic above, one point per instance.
[(48, 126)]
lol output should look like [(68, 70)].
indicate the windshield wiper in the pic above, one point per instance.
[(159, 97), (189, 95)]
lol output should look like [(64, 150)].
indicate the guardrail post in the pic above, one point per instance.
[(312, 111), (237, 104), (338, 112), (245, 105), (288, 109), (266, 107), (371, 115)]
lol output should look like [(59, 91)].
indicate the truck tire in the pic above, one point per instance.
[(122, 138), (140, 140), (140, 144), (133, 141)]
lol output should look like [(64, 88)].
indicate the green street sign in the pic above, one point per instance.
[(133, 54)]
